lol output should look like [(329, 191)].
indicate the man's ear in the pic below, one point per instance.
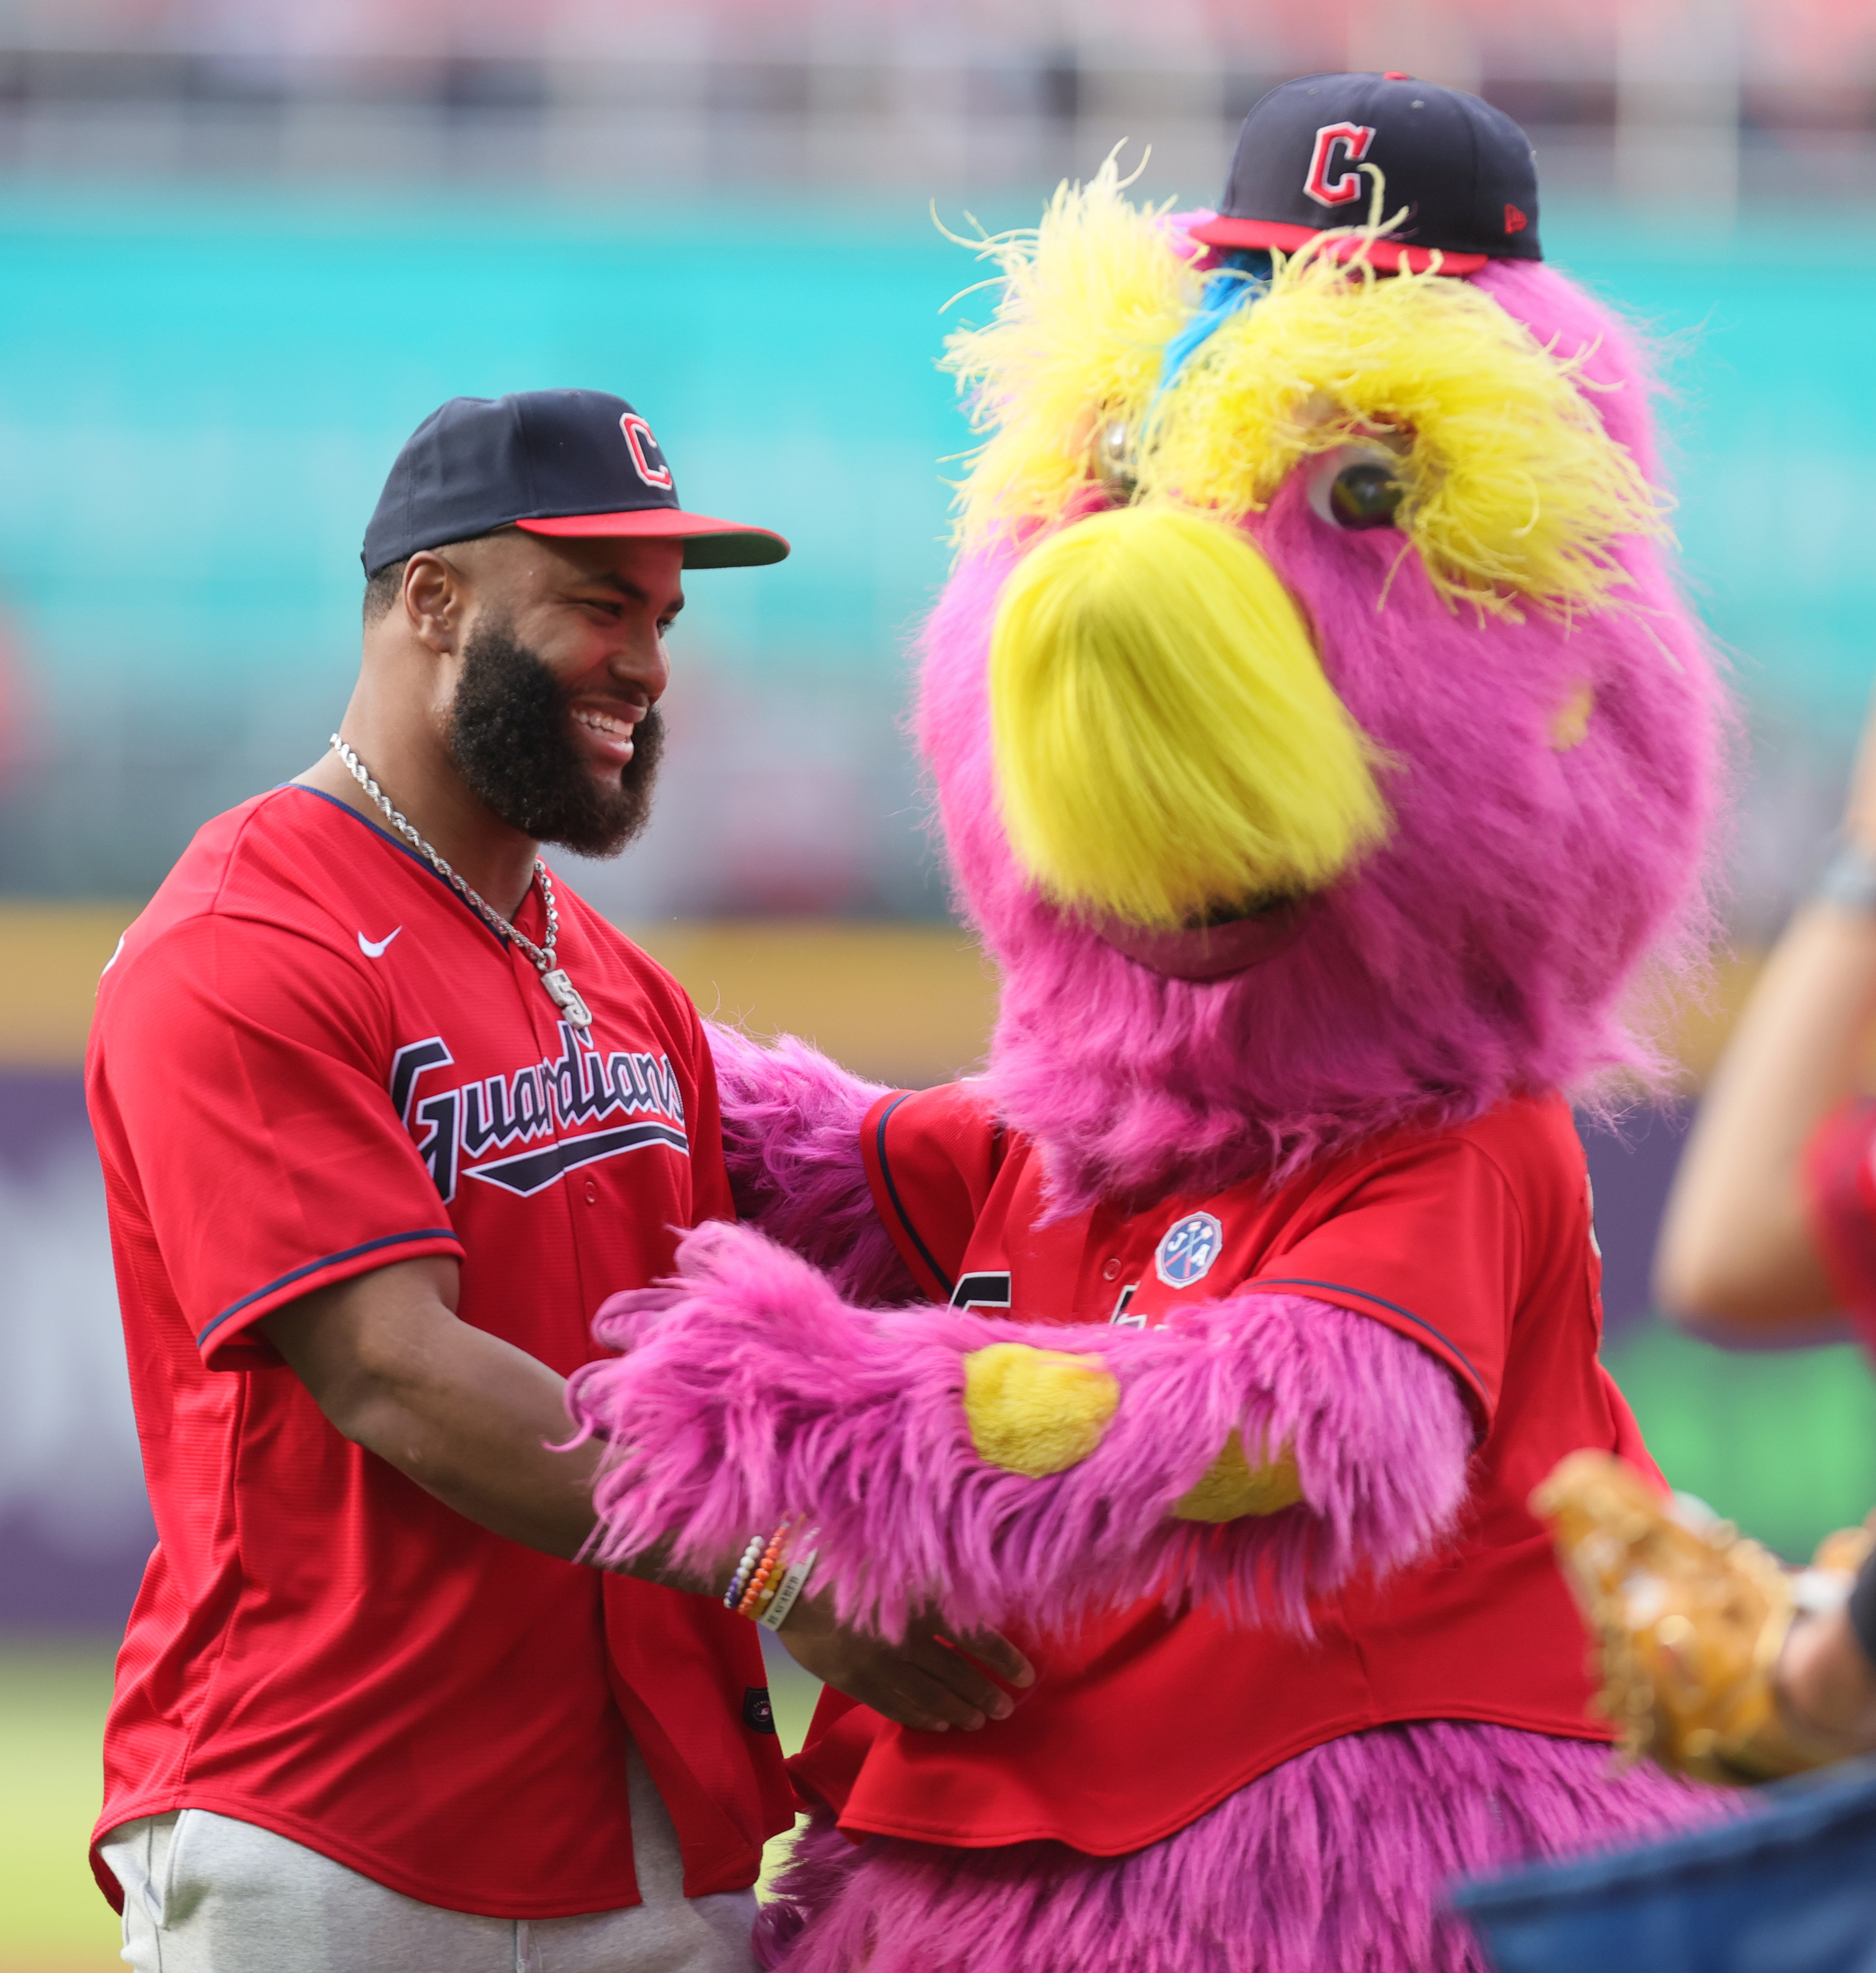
[(435, 598)]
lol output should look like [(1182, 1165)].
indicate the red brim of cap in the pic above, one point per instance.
[(708, 543), (1389, 255)]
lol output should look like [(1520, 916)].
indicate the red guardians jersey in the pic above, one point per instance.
[(312, 1057), (1476, 1244)]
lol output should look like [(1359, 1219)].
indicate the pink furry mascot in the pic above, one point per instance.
[(1321, 747)]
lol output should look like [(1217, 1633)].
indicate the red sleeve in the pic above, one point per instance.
[(237, 1085), (1840, 1203), (932, 1156), (1428, 1240)]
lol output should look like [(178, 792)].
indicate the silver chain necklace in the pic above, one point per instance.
[(560, 990)]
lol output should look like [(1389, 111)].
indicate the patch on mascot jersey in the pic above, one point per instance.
[(1187, 1249), (758, 1715)]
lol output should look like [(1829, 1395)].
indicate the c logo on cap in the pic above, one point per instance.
[(1354, 140), (638, 435)]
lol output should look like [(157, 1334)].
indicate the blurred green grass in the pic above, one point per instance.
[(1783, 1442), (53, 1695)]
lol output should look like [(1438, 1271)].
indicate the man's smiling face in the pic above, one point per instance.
[(553, 722)]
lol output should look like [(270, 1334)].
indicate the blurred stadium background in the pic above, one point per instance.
[(245, 245)]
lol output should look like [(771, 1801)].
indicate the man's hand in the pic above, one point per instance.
[(925, 1682)]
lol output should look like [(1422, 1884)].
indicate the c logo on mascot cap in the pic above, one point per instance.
[(1354, 138), (1187, 1249)]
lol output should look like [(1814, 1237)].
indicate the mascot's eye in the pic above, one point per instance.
[(1112, 453), (1364, 495), (1356, 486)]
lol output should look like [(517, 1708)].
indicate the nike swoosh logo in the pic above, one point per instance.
[(374, 948)]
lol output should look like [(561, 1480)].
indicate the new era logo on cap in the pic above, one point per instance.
[(566, 463), (1460, 174)]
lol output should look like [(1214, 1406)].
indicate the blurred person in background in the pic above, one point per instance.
[(1770, 1230), (1769, 1235), (384, 1112)]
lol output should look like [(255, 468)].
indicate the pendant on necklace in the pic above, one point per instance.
[(566, 996)]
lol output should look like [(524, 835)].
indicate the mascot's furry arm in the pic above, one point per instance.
[(1250, 1452), (791, 1122)]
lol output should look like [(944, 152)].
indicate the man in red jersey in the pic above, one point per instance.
[(384, 1112)]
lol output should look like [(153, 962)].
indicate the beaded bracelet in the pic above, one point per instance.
[(768, 1579), (785, 1564), (739, 1580), (765, 1570)]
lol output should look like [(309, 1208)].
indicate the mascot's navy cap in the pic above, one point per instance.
[(552, 462), (1464, 171)]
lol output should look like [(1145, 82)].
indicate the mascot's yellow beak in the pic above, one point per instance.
[(1166, 741)]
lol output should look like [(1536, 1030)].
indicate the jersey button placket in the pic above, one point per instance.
[(592, 1191)]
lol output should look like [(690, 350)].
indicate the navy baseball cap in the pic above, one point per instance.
[(1464, 171), (553, 462)]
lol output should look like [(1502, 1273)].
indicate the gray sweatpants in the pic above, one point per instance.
[(203, 1893)]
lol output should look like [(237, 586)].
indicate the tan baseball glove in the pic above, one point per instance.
[(1688, 1621)]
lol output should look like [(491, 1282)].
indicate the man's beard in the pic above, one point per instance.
[(510, 733)]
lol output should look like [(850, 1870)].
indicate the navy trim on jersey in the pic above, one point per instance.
[(1337, 1287), (398, 842), (530, 1171), (329, 1261), (898, 1206)]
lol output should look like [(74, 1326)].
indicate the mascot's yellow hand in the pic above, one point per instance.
[(1036, 1412), (1231, 1487)]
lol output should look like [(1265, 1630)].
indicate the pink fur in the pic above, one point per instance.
[(1333, 1862), (1486, 948), (750, 1390), (791, 1122)]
